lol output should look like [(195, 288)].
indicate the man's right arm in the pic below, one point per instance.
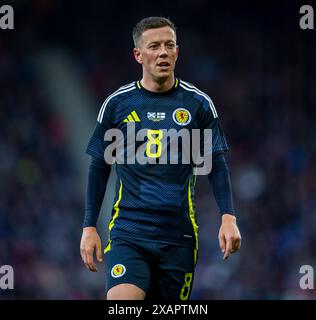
[(98, 176), (99, 172)]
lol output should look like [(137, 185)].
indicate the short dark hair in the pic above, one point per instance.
[(151, 23)]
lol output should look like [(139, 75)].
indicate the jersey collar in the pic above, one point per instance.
[(174, 88)]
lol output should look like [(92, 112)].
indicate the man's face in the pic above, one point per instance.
[(157, 52)]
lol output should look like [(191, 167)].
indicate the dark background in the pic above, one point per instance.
[(61, 61)]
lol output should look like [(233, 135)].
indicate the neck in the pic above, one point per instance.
[(158, 85)]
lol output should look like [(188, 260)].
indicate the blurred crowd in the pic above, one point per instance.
[(257, 68)]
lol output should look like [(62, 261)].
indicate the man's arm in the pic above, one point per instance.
[(229, 235), (98, 176)]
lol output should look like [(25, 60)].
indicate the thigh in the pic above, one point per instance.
[(126, 263), (176, 272), (125, 291)]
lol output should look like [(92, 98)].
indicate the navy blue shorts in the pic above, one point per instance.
[(163, 271)]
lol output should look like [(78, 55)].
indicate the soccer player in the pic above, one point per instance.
[(153, 234)]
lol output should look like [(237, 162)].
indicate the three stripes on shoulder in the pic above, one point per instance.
[(121, 90), (133, 117)]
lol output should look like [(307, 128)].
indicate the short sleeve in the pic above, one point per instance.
[(97, 145), (209, 120)]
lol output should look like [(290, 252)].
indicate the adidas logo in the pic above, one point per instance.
[(132, 117)]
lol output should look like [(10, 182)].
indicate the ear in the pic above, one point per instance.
[(138, 55)]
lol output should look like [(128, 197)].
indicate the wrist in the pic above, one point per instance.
[(89, 229), (228, 217)]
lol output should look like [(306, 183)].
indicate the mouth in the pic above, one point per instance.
[(163, 64)]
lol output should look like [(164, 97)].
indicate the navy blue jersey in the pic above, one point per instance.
[(156, 202)]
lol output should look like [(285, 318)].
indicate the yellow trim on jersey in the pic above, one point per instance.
[(117, 210), (139, 85), (193, 221), (132, 117), (135, 115)]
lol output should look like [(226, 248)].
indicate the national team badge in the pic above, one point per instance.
[(181, 116), (118, 271)]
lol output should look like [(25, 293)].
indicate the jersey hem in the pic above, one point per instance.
[(173, 242)]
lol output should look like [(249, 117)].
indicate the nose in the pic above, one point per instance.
[(163, 51)]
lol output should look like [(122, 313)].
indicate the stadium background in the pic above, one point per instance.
[(64, 57)]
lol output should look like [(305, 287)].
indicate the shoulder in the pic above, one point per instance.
[(199, 95), (121, 93)]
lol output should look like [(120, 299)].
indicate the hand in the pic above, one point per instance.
[(90, 241), (229, 236)]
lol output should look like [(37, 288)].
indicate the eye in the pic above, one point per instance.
[(153, 46), (171, 45)]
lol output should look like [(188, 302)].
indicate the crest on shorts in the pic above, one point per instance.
[(181, 116), (118, 271)]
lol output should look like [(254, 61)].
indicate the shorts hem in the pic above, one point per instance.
[(127, 282)]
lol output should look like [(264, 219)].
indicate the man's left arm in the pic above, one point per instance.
[(229, 235)]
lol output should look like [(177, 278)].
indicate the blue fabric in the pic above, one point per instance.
[(161, 194), (152, 192), (98, 176), (220, 179)]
